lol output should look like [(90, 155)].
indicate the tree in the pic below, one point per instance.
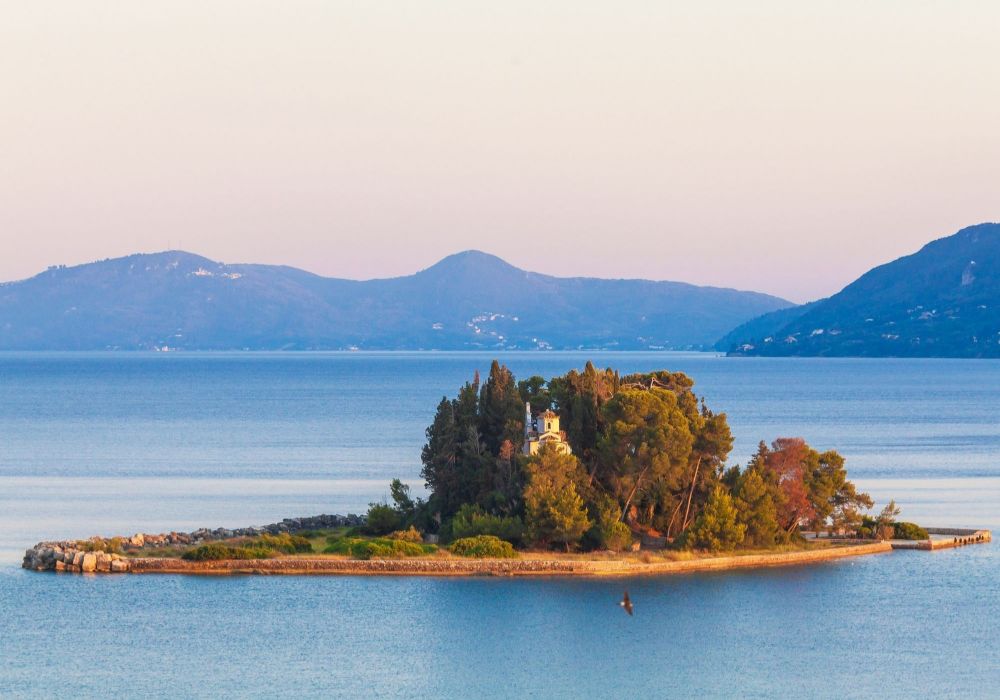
[(785, 467), (829, 491), (579, 398), (885, 520), (382, 519), (646, 437), (756, 511), (440, 459), (501, 411), (717, 528), (400, 493), (554, 511), (534, 390)]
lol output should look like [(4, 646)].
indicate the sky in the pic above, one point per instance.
[(784, 147)]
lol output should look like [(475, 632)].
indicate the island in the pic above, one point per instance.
[(589, 473)]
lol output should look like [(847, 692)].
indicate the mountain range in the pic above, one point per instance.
[(467, 301), (942, 301)]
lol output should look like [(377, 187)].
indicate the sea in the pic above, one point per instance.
[(117, 443)]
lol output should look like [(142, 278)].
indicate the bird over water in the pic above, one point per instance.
[(626, 603)]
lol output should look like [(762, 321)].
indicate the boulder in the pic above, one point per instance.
[(89, 562), (60, 565), (119, 566), (78, 558), (137, 540)]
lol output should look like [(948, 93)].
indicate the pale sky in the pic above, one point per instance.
[(784, 147)]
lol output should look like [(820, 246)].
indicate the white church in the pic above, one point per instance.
[(541, 430)]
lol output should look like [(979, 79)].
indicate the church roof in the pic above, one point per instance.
[(548, 413)]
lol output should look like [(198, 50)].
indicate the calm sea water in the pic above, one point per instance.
[(117, 443)]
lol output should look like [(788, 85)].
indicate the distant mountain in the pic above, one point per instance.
[(943, 301), (467, 301)]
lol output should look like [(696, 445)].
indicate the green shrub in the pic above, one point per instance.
[(380, 547), (382, 519), (113, 545), (262, 547), (408, 535), (285, 543), (483, 546), (909, 531), (618, 537), (471, 520), (219, 552)]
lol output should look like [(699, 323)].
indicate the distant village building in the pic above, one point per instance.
[(543, 430)]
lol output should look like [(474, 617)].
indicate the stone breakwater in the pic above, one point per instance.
[(65, 556), (947, 538), (91, 555)]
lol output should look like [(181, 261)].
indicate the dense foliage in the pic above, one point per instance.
[(908, 531), (483, 547), (381, 547), (648, 458)]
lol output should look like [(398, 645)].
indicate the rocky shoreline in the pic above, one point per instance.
[(86, 556)]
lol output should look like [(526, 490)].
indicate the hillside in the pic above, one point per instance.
[(942, 301), (466, 301)]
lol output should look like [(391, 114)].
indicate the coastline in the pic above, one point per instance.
[(525, 566)]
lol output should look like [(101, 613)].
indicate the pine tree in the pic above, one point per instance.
[(554, 511), (440, 459), (501, 411), (717, 529), (756, 510)]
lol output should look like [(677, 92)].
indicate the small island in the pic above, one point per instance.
[(589, 473)]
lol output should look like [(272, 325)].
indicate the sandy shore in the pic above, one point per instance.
[(524, 566)]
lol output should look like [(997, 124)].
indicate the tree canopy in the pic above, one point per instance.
[(648, 456)]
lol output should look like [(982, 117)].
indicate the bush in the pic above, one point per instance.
[(220, 552), (378, 547), (262, 547), (618, 537), (113, 545), (285, 543), (909, 531), (483, 546), (382, 519), (471, 521), (408, 535)]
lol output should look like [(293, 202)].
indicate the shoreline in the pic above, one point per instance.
[(528, 566)]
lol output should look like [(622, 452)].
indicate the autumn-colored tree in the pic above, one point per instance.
[(786, 462)]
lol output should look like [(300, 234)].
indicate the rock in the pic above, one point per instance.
[(89, 562), (137, 540), (60, 565), (78, 558), (103, 561), (119, 566)]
